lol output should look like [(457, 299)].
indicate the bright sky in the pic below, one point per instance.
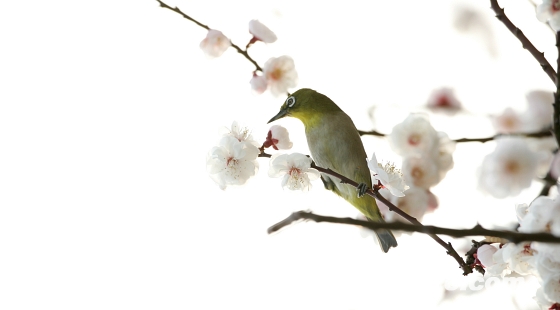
[(108, 109)]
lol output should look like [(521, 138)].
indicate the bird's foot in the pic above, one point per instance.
[(362, 189)]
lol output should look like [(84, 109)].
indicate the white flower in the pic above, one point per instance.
[(258, 84), (539, 111), (233, 162), (444, 100), (485, 254), (389, 176), (508, 122), (509, 169), (513, 257), (215, 43), (500, 267), (548, 11), (261, 32), (280, 73), (551, 287), (538, 217), (241, 133), (521, 210), (295, 169), (547, 263), (420, 172), (415, 135), (279, 138), (415, 203), (520, 257)]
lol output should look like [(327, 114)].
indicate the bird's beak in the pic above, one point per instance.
[(282, 113)]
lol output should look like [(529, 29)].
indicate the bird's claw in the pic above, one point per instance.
[(362, 189)]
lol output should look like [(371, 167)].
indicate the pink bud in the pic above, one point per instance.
[(279, 138)]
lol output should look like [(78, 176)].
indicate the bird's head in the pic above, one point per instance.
[(306, 105)]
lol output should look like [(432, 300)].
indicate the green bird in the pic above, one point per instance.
[(335, 143)]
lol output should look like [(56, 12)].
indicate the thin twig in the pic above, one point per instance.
[(510, 236), (236, 47), (524, 41)]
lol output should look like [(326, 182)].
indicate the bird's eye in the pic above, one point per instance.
[(291, 101)]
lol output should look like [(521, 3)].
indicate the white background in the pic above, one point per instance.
[(108, 109)]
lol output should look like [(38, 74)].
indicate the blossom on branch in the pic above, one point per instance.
[(261, 32), (508, 122), (549, 10), (509, 169), (258, 83), (414, 136), (280, 74), (295, 170), (279, 138), (215, 43), (232, 162), (390, 176)]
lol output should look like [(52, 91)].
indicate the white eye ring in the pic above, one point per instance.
[(291, 101)]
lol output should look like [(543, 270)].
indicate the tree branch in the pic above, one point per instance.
[(524, 41), (236, 47), (511, 236), (539, 134)]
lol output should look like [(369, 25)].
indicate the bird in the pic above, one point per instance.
[(334, 143)]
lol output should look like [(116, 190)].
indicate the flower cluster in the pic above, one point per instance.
[(536, 258), (427, 157), (234, 160), (278, 73)]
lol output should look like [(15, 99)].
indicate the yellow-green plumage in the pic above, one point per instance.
[(334, 143)]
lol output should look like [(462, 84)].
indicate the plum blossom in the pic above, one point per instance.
[(261, 32), (279, 138), (414, 136), (420, 171), (215, 43), (485, 253), (232, 162), (513, 257), (280, 74), (548, 11), (389, 176), (538, 216), (444, 100), (258, 84), (295, 170), (509, 169), (509, 121), (241, 133)]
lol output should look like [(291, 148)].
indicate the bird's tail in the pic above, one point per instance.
[(386, 239)]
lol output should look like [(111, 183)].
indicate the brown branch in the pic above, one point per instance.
[(524, 41), (539, 134), (374, 193), (236, 47), (511, 236)]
